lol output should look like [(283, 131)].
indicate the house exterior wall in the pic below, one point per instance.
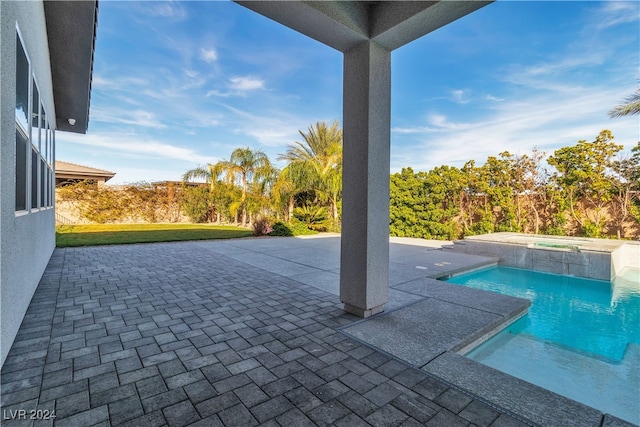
[(27, 238)]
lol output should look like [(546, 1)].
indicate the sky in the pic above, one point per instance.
[(182, 84)]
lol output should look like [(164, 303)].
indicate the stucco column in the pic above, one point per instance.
[(364, 263)]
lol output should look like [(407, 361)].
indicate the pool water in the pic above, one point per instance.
[(581, 337)]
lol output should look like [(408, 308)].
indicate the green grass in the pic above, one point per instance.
[(118, 234)]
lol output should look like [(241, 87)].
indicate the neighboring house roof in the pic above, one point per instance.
[(71, 32), (66, 170), (179, 184)]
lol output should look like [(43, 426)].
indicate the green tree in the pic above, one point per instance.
[(196, 203), (405, 189), (217, 191), (497, 175), (626, 183), (424, 204), (316, 163), (247, 169), (476, 210), (583, 173), (284, 191), (530, 186), (259, 193), (246, 166)]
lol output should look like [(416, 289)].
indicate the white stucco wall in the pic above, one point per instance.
[(27, 240)]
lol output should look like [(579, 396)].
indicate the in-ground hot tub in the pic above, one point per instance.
[(600, 259)]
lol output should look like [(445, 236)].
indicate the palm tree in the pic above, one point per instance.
[(317, 162), (246, 165), (259, 193), (630, 106), (210, 174), (284, 191)]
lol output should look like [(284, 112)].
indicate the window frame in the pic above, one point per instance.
[(39, 144), (23, 130)]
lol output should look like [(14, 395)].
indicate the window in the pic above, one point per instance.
[(43, 180), (22, 87), (22, 125), (35, 115), (51, 187), (42, 139), (34, 179), (34, 140), (21, 169), (35, 144), (52, 180), (50, 145)]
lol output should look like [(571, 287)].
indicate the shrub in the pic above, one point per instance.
[(100, 204), (301, 229), (261, 226), (334, 225), (293, 228), (315, 217), (281, 229), (196, 203)]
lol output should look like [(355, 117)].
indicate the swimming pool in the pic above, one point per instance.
[(581, 337)]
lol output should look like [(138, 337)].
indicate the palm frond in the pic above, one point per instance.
[(630, 106), (202, 172)]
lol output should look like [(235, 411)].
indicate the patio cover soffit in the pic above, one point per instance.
[(345, 24), (71, 32)]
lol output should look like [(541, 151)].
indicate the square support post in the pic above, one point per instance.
[(364, 256)]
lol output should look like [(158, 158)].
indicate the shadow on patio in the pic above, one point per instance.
[(179, 334)]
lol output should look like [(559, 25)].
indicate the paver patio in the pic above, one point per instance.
[(179, 334)]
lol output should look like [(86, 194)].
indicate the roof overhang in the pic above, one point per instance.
[(84, 176), (66, 170), (71, 31), (344, 24)]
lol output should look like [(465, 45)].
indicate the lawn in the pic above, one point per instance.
[(117, 234)]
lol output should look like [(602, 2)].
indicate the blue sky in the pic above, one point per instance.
[(180, 84)]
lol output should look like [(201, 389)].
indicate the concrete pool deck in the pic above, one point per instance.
[(251, 331)]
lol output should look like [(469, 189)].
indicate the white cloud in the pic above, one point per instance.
[(542, 120), (460, 96), (191, 73), (493, 98), (246, 83), (411, 130), (135, 118), (201, 119), (272, 132), (169, 10), (218, 93), (564, 64), (274, 129), (238, 86), (208, 55), (136, 145), (441, 122), (100, 82), (613, 13)]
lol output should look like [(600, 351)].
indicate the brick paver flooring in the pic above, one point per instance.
[(174, 334)]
